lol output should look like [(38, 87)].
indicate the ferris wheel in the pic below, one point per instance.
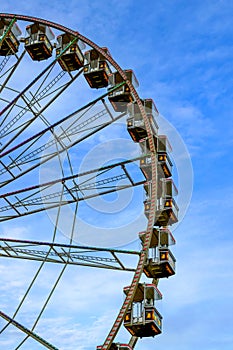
[(60, 95)]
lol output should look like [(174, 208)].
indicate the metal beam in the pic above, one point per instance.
[(28, 332), (66, 254)]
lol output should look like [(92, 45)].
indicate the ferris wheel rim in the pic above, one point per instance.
[(149, 230)]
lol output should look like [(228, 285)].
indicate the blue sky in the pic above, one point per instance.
[(182, 55)]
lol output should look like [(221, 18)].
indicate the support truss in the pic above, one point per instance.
[(44, 196), (66, 254)]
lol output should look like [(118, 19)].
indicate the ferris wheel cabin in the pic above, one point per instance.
[(161, 237), (120, 97), (166, 211), (164, 161), (161, 262), (143, 319), (96, 68), (166, 207), (38, 42), (135, 122), (68, 52), (10, 33)]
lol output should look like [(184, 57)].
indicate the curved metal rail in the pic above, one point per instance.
[(139, 269)]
